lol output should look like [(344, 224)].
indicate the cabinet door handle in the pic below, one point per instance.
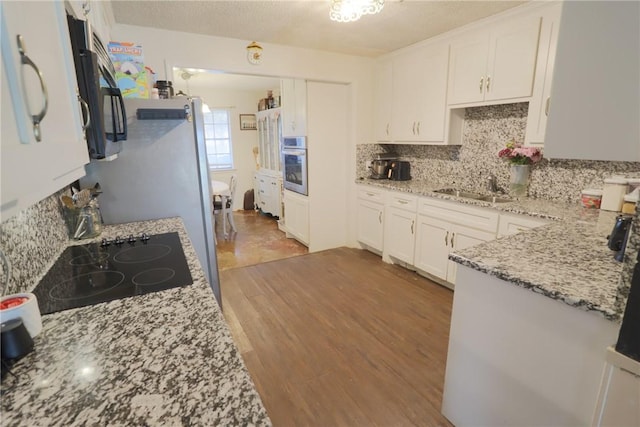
[(87, 113), (446, 239), (452, 236), (35, 118), (488, 82), (481, 83), (380, 217), (413, 221), (546, 106), (414, 128), (418, 128), (370, 194), (403, 202), (387, 129)]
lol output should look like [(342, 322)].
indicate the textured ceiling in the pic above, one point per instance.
[(307, 24)]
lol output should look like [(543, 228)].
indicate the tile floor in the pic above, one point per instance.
[(257, 240)]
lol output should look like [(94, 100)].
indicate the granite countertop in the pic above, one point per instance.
[(567, 259), (164, 358)]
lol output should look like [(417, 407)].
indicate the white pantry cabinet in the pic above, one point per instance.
[(293, 94), (370, 218), (296, 207), (595, 102), (400, 226), (269, 123), (383, 97), (494, 64), (541, 98), (32, 170), (420, 93)]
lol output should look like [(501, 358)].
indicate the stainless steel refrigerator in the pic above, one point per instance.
[(161, 172)]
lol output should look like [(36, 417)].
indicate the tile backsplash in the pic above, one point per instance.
[(31, 241), (486, 131)]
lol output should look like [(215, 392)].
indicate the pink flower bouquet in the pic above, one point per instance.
[(516, 154)]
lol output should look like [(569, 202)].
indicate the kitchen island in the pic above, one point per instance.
[(164, 358)]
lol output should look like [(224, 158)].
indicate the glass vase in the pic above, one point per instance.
[(519, 180)]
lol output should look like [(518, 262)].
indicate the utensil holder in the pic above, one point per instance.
[(83, 223)]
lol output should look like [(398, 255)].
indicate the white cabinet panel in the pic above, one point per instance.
[(32, 170), (595, 105)]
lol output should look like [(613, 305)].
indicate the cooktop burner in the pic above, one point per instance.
[(119, 268)]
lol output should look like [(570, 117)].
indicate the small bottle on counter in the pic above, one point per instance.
[(613, 194)]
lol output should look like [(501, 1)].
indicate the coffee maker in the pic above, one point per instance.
[(619, 236), (380, 166)]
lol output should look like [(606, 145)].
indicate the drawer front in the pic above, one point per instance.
[(469, 216), (371, 195), (402, 201)]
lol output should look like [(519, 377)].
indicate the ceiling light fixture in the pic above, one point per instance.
[(352, 10)]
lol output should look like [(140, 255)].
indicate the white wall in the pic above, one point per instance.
[(168, 49)]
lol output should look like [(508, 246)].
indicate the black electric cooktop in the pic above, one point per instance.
[(115, 268)]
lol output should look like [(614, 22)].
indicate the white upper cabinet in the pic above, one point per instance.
[(293, 93), (411, 95), (420, 93), (541, 98), (382, 100), (494, 64), (39, 98), (595, 102)]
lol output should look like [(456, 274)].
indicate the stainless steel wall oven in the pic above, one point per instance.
[(294, 164)]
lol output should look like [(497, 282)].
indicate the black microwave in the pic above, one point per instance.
[(105, 117)]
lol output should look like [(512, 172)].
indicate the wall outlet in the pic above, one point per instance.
[(367, 164)]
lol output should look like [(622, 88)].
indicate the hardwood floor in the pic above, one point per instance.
[(339, 338), (257, 240)]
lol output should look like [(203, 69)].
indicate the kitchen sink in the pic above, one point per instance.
[(474, 196)]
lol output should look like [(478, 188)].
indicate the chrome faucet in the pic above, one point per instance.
[(492, 184)]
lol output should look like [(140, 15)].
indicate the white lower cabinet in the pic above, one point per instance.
[(400, 227), (436, 238), (296, 207), (421, 232), (513, 224), (444, 227), (370, 219), (268, 187)]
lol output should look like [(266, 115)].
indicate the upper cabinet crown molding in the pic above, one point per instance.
[(595, 102)]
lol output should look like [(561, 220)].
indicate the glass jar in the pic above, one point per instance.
[(83, 223)]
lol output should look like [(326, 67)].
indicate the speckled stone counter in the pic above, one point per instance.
[(567, 260), (165, 358)]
